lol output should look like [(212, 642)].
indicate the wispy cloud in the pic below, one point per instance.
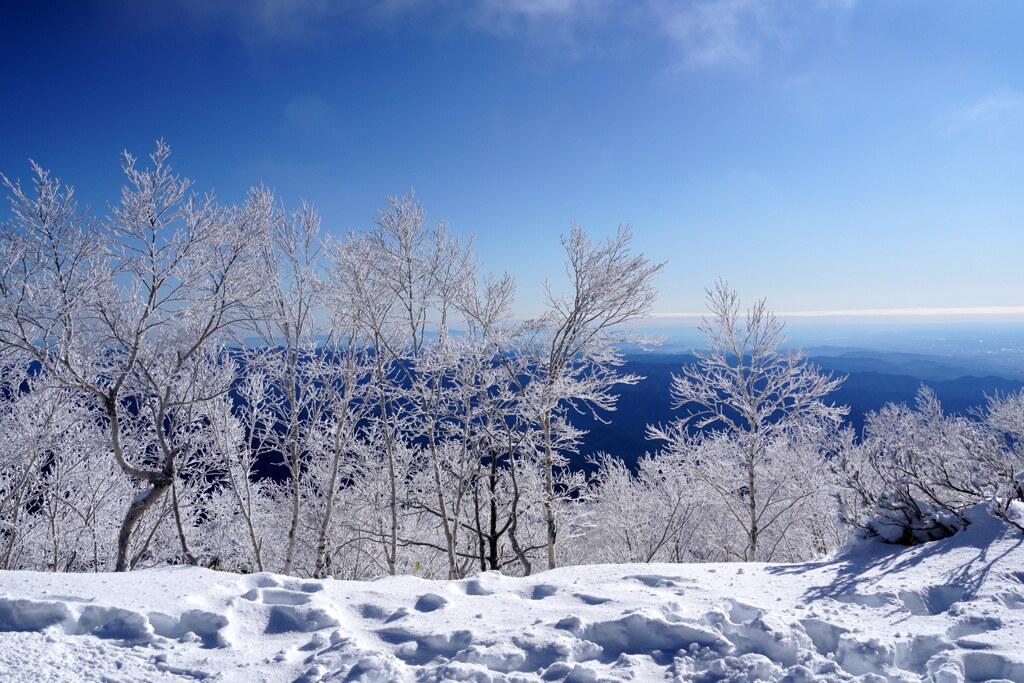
[(298, 22), (503, 11), (699, 33), (719, 32), (991, 108)]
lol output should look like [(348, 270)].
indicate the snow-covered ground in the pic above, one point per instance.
[(945, 611)]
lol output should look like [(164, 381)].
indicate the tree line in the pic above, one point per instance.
[(234, 387)]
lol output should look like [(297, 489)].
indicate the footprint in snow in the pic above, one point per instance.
[(276, 596), (653, 580), (591, 599), (113, 623), (542, 591), (370, 611), (973, 626), (1011, 600), (265, 580), (292, 619), (289, 606), (824, 635), (428, 602), (474, 587), (306, 587), (931, 601), (398, 614)]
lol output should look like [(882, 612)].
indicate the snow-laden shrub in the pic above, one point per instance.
[(646, 516), (915, 472), (1003, 417), (909, 521)]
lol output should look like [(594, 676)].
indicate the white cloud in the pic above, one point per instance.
[(737, 33), (542, 8), (995, 106), (300, 21), (700, 33), (717, 32)]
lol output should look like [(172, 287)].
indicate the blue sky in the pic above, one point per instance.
[(829, 155)]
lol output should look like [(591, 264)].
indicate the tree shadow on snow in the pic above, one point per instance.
[(858, 569)]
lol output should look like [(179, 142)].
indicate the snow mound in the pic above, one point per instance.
[(948, 612)]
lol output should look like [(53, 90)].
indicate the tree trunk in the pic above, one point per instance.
[(325, 525), (393, 506), (751, 482), (449, 537), (513, 529), (142, 502), (246, 508), (189, 557), (492, 554), (391, 549), (549, 491)]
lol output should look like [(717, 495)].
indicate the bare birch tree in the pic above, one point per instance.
[(746, 395), (575, 341)]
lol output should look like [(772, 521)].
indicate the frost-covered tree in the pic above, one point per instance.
[(59, 493), (1003, 452), (405, 278), (347, 368), (122, 309), (746, 402), (290, 360), (504, 437), (239, 506), (574, 346), (642, 516), (916, 469)]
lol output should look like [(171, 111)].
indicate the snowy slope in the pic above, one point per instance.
[(950, 610)]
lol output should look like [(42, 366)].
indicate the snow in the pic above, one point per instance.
[(947, 611)]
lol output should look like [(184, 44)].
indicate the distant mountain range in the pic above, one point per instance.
[(873, 378)]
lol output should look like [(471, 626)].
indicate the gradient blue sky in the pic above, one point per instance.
[(830, 155)]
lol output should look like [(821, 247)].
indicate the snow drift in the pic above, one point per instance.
[(945, 611)]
